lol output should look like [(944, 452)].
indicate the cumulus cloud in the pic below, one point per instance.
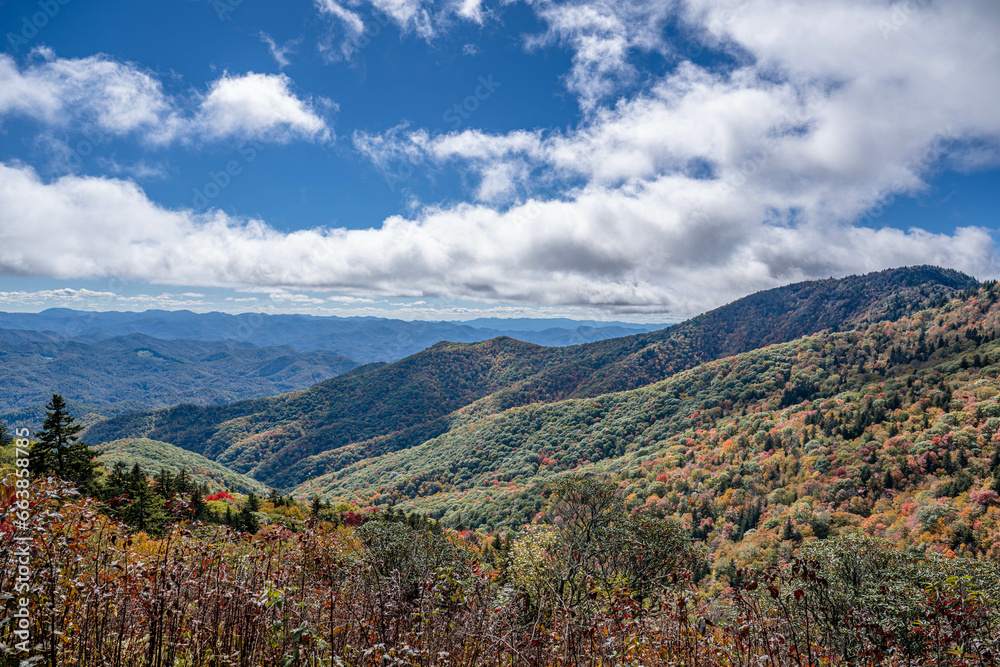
[(259, 106), (356, 21), (759, 173), (665, 248), (114, 97), (604, 36), (119, 99), (707, 184)]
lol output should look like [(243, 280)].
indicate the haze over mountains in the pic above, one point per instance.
[(363, 339), (288, 440), (108, 363), (122, 373)]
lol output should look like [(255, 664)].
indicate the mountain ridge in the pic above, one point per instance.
[(137, 371), (285, 440), (365, 339)]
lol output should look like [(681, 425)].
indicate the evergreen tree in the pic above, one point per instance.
[(145, 512), (164, 483), (58, 450), (6, 439), (182, 482), (198, 508), (246, 521), (253, 503), (117, 481)]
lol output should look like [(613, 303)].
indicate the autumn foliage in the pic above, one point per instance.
[(385, 593)]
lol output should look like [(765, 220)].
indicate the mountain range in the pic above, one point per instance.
[(364, 339), (111, 363), (307, 440), (114, 375)]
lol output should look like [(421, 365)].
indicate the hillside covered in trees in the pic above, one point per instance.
[(111, 376), (893, 429), (154, 457), (829, 500), (285, 440)]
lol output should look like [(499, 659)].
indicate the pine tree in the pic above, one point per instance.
[(198, 507), (146, 511), (253, 503), (6, 439), (164, 483), (182, 483), (58, 449), (117, 482), (246, 521)]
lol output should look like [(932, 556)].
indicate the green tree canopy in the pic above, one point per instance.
[(57, 448)]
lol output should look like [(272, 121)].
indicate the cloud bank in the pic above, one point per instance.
[(711, 182), (121, 99), (612, 249)]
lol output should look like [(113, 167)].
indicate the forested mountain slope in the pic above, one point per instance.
[(764, 318), (153, 457), (288, 439), (893, 429), (133, 372), (365, 339), (389, 407)]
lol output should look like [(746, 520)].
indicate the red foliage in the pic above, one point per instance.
[(221, 495), (985, 498)]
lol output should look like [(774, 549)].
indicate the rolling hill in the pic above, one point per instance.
[(153, 456), (125, 373), (868, 400), (365, 339), (286, 440)]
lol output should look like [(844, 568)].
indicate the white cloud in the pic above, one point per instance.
[(114, 97), (603, 35), (279, 52), (69, 297), (111, 98), (471, 10), (350, 22), (361, 20), (755, 175), (707, 185), (141, 170), (667, 247), (409, 15), (259, 106)]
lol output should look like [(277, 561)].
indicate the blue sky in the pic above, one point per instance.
[(626, 160)]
